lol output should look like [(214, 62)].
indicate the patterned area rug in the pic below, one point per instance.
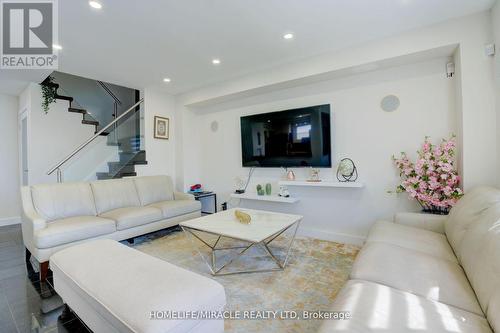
[(316, 271)]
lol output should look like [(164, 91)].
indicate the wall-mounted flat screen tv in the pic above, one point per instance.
[(290, 138)]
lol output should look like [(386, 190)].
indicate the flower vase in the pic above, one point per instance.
[(436, 210)]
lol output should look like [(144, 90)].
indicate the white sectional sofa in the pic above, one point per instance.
[(56, 216), (428, 273)]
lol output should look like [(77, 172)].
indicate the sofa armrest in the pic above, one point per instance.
[(422, 221), (30, 215), (32, 222), (183, 196)]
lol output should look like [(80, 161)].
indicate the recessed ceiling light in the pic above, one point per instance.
[(216, 61), (56, 47), (167, 80), (95, 4), (288, 36)]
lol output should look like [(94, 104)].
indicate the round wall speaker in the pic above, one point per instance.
[(214, 126), (390, 103)]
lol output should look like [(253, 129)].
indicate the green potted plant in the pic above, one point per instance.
[(49, 92)]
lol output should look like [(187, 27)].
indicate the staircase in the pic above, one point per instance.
[(129, 153), (130, 156), (87, 118)]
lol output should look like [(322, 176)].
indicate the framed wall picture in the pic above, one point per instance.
[(161, 128)]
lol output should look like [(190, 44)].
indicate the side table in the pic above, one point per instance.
[(201, 196)]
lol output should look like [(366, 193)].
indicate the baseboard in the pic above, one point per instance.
[(331, 236), (10, 220)]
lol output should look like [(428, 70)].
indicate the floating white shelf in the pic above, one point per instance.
[(321, 183), (272, 198)]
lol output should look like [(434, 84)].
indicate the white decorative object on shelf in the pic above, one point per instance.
[(314, 175), (346, 171), (283, 192), (322, 183), (272, 198)]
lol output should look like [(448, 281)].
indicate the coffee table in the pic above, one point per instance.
[(264, 228)]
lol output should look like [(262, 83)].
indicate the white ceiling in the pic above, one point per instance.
[(138, 43)]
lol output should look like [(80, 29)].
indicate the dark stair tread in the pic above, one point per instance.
[(113, 164), (90, 122), (106, 175), (135, 157), (131, 139), (122, 170), (50, 84), (77, 110), (133, 152), (66, 98), (127, 174)]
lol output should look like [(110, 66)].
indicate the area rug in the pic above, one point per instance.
[(316, 271)]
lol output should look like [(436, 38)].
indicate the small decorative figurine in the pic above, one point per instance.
[(289, 175), (196, 188), (260, 190), (242, 217), (239, 184), (268, 189), (283, 192), (314, 175)]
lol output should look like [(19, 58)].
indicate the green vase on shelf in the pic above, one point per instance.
[(260, 190), (268, 189)]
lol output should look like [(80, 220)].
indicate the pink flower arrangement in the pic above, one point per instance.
[(432, 179)]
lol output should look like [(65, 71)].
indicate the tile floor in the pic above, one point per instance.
[(26, 305)]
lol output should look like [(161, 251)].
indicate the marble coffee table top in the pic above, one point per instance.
[(263, 225)]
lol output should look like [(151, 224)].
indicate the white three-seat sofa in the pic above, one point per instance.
[(56, 216)]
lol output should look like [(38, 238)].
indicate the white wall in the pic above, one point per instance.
[(52, 136), (160, 153), (495, 15), (361, 130), (9, 156)]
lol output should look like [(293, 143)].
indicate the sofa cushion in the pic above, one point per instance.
[(411, 238), (177, 207), (131, 284), (59, 201), (480, 256), (467, 212), (129, 217), (377, 308), (493, 313), (72, 229), (415, 272), (114, 193), (154, 188)]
